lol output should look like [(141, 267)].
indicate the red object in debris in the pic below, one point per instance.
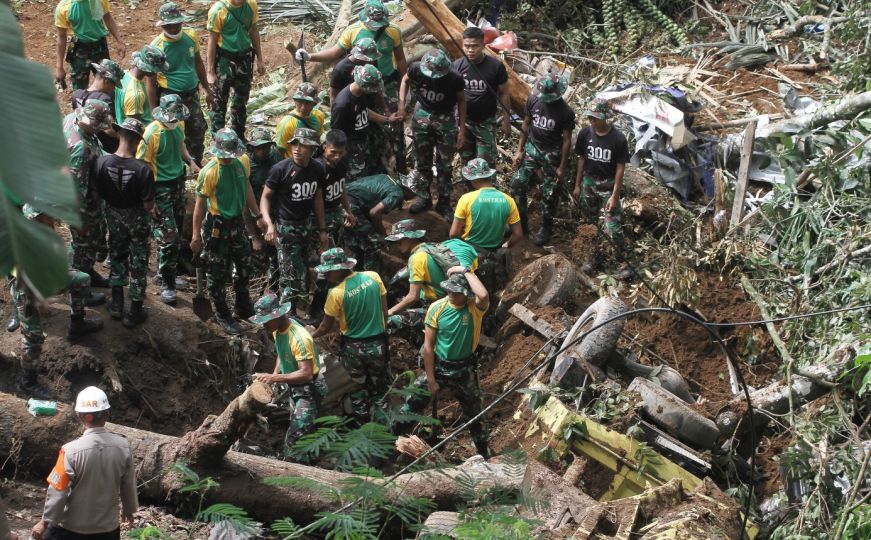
[(505, 42), (490, 33)]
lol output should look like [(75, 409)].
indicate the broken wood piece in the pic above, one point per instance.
[(807, 68), (413, 447), (533, 321), (743, 174), (799, 24), (736, 123)]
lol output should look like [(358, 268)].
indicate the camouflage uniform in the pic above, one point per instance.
[(235, 73), (129, 230), (359, 158), (80, 56), (594, 198), (170, 203), (434, 131), (264, 262), (305, 400), (367, 361), (293, 248), (546, 160), (390, 137), (409, 324), (480, 140), (365, 242), (220, 256), (195, 124)]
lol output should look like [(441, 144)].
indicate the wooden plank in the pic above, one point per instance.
[(533, 321), (743, 174)]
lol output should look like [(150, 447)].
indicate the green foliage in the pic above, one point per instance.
[(199, 486), (861, 372), (150, 532), (645, 456)]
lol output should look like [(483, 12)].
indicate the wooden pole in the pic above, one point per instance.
[(743, 174)]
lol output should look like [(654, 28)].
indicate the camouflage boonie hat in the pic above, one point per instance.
[(335, 259), (109, 69), (150, 59), (476, 169), (457, 283), (369, 78), (435, 64), (171, 109), (130, 124), (259, 136), (374, 15), (407, 228), (226, 144), (95, 113), (411, 181), (550, 87), (306, 92), (599, 110), (305, 136), (365, 50), (269, 307), (170, 13)]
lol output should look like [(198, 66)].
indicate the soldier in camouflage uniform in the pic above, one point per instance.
[(297, 364), (224, 191), (263, 156), (305, 114), (439, 91), (358, 302), (89, 22), (107, 77), (453, 326), (80, 130), (545, 140)]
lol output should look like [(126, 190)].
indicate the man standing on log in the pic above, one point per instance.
[(453, 326), (545, 140), (358, 301), (297, 364), (90, 21), (92, 475), (304, 115), (486, 80)]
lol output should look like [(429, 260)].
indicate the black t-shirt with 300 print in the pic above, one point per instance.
[(350, 113), (435, 95), (602, 153), (295, 187), (482, 83), (334, 184), (547, 121)]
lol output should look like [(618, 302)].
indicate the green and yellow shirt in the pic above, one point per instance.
[(75, 16), (389, 39), (288, 125), (457, 328), (232, 24), (161, 148), (132, 100), (225, 187), (486, 212), (423, 269), (356, 303), (295, 345), (181, 55)]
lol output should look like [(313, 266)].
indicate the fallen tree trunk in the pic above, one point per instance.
[(32, 444), (845, 109)]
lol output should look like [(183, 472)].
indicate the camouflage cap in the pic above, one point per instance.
[(226, 144), (260, 136), (170, 13), (364, 51), (306, 92), (269, 307), (600, 110), (171, 109), (457, 283), (411, 181), (407, 228), (150, 59), (435, 64), (96, 114), (477, 169), (374, 15), (335, 259), (305, 136), (110, 70), (369, 78), (551, 87), (130, 124)]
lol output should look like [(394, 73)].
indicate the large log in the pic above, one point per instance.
[(441, 22)]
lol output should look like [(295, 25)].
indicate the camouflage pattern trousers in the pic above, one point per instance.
[(233, 73), (32, 336), (548, 161), (195, 125), (390, 138), (85, 241), (265, 263), (129, 247), (461, 378), (480, 141), (223, 252), (79, 57), (365, 242), (305, 404), (434, 133), (361, 158), (169, 203), (594, 198), (293, 249), (367, 361), (408, 325)]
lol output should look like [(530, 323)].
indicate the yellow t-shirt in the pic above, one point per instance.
[(288, 125), (356, 303)]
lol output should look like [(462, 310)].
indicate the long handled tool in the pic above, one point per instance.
[(201, 305)]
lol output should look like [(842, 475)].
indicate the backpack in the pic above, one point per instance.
[(442, 256)]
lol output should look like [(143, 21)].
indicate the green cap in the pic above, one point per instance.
[(335, 259), (306, 92), (551, 87), (109, 69), (170, 13), (457, 283), (305, 136), (435, 64), (407, 228), (369, 78), (600, 110), (374, 15), (171, 109), (477, 169), (269, 307), (130, 124), (95, 113), (226, 144), (365, 50), (259, 136), (150, 59)]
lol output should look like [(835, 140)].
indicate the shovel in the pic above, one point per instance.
[(202, 306)]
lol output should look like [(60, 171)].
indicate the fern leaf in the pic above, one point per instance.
[(360, 446), (286, 529)]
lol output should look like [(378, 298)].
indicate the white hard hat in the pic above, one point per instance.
[(91, 399)]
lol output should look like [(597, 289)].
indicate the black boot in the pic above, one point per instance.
[(80, 327), (97, 280), (319, 300), (116, 306), (481, 448), (29, 385), (225, 318), (135, 316), (243, 308), (167, 293), (95, 299), (443, 208), (13, 323), (419, 205), (524, 224), (544, 233)]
